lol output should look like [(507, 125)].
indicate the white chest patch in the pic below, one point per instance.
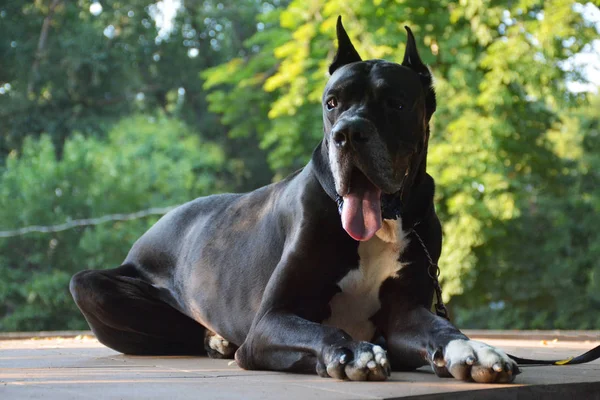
[(359, 299)]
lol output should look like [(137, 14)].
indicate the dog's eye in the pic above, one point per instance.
[(331, 103), (395, 104)]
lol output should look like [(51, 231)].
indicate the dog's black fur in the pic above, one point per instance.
[(262, 274)]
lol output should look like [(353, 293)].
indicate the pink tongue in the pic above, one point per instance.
[(361, 212)]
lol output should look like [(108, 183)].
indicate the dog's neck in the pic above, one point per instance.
[(416, 206)]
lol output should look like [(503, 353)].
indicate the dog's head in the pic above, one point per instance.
[(376, 122)]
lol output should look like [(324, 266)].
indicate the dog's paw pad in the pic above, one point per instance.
[(472, 360)]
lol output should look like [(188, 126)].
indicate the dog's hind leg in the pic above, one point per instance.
[(126, 314), (217, 346)]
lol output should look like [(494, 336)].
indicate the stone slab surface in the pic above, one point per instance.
[(81, 368)]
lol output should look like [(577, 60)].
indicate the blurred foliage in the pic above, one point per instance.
[(111, 112), (93, 70), (144, 162)]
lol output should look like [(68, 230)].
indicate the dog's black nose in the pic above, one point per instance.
[(339, 138), (342, 137)]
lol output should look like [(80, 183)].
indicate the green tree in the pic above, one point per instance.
[(76, 75), (146, 162), (543, 270), (64, 69)]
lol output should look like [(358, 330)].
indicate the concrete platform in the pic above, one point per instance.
[(80, 368)]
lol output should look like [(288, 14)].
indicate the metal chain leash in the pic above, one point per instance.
[(433, 270)]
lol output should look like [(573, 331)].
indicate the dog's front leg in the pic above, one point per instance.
[(285, 334), (285, 342), (417, 337)]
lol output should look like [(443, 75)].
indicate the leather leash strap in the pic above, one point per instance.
[(591, 355)]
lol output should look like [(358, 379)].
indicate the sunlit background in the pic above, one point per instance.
[(112, 112)]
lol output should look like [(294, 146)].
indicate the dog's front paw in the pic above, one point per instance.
[(356, 361), (470, 360)]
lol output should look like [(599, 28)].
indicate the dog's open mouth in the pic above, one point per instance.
[(361, 208)]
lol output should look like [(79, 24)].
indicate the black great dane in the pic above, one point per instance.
[(306, 274)]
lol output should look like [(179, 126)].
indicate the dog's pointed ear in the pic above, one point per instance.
[(413, 61), (346, 53)]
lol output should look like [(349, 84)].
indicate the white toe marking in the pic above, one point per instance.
[(379, 354), (457, 352), (371, 358), (363, 359), (218, 343)]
